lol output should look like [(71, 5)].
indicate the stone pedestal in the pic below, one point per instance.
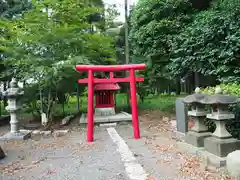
[(221, 142), (196, 139), (199, 131), (221, 147), (104, 111), (2, 154)]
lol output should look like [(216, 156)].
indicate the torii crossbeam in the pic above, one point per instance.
[(132, 79)]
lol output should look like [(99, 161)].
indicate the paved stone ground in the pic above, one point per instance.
[(70, 158)]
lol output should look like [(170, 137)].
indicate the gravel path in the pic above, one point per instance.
[(70, 158)]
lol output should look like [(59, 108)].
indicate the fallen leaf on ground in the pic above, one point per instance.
[(150, 177)]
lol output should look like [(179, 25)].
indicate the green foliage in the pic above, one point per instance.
[(13, 8), (110, 16), (180, 38), (43, 46), (210, 45), (154, 23), (230, 89)]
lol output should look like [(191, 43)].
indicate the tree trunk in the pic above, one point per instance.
[(197, 79), (78, 99), (127, 49), (49, 107), (63, 109), (178, 86), (5, 98)]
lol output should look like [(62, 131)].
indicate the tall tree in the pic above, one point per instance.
[(154, 24), (47, 46), (13, 8), (210, 45)]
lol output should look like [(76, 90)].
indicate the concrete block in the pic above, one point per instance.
[(16, 136), (66, 120), (233, 164), (59, 133), (213, 160), (36, 132), (209, 160), (25, 131), (196, 139), (46, 133), (221, 147)]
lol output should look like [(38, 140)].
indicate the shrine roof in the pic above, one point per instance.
[(107, 86)]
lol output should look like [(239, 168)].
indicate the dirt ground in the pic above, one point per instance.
[(71, 157), (163, 140)]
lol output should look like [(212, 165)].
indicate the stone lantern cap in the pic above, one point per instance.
[(220, 98), (13, 90), (197, 97)]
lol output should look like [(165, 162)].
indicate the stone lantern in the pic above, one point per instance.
[(195, 136), (221, 142), (13, 93)]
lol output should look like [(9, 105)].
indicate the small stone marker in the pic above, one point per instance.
[(181, 116)]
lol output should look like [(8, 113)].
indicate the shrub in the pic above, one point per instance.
[(230, 89)]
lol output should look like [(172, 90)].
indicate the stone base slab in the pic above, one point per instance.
[(196, 139), (221, 147), (120, 117), (104, 111), (214, 160), (179, 135), (209, 160), (16, 136)]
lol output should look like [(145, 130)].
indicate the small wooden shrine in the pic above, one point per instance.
[(105, 98)]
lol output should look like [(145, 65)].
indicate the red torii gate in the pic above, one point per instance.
[(132, 79)]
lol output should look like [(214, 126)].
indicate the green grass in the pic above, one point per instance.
[(163, 103), (3, 110)]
